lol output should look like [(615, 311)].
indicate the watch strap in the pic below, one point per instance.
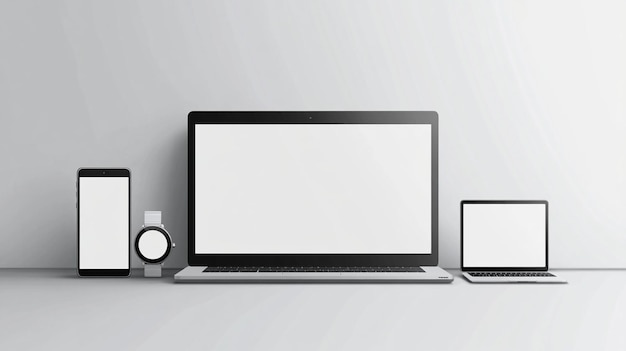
[(152, 218), (152, 270)]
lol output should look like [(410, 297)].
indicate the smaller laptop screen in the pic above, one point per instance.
[(504, 235)]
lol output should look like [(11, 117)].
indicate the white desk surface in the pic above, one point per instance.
[(54, 309)]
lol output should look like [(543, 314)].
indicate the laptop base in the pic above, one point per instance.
[(541, 280), (196, 274)]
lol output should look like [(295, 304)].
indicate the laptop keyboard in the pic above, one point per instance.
[(511, 274), (312, 269)]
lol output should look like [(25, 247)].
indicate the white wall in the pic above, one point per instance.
[(531, 97)]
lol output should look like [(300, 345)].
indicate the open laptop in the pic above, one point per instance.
[(313, 196), (505, 242)]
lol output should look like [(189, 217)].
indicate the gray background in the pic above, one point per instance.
[(531, 97)]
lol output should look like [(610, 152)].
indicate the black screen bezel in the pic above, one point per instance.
[(318, 117), (100, 172), (167, 250), (504, 269)]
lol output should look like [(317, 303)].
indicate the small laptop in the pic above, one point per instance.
[(505, 242), (278, 196)]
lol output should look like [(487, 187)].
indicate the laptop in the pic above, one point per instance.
[(313, 197), (505, 242)]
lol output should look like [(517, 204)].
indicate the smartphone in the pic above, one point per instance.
[(103, 211)]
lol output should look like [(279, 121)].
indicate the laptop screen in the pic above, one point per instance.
[(313, 189), (504, 234)]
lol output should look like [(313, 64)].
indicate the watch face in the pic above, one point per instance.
[(153, 244)]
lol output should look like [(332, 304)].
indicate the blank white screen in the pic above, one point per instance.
[(104, 223), (504, 235), (317, 188)]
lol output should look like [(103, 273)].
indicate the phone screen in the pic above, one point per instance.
[(103, 224)]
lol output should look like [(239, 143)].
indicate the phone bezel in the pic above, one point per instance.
[(100, 172)]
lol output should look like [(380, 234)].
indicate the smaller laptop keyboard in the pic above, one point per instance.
[(313, 269), (511, 274)]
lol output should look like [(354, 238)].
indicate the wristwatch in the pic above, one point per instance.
[(153, 244)]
